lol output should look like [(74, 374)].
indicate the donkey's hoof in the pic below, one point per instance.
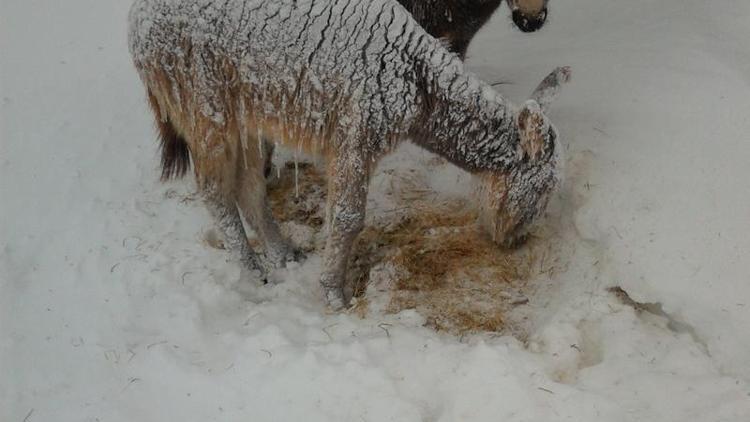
[(291, 255), (255, 274), (296, 255), (279, 258), (335, 299)]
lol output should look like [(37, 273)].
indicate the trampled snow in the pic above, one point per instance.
[(113, 308)]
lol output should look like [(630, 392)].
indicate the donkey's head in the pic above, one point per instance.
[(511, 201), (528, 15)]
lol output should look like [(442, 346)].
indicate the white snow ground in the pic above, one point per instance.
[(112, 309)]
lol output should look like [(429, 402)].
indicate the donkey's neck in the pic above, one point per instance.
[(464, 120)]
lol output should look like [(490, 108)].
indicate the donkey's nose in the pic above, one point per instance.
[(529, 23)]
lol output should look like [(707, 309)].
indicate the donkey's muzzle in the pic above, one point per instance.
[(528, 23)]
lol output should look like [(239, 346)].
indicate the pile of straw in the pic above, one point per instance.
[(447, 269)]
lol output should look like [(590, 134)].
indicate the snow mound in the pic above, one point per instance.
[(113, 306)]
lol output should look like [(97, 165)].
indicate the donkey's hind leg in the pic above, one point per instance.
[(227, 218), (253, 202)]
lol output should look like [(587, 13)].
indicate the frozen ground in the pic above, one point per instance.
[(113, 309)]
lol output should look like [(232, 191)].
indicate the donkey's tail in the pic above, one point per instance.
[(175, 153)]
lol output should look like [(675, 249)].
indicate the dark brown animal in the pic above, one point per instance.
[(457, 21)]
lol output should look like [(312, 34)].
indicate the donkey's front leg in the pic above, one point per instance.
[(347, 199), (227, 217)]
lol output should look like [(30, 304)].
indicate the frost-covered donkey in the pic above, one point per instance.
[(457, 21), (344, 79)]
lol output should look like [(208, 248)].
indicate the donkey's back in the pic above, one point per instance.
[(313, 69)]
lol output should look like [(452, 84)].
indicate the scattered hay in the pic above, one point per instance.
[(298, 194), (447, 269)]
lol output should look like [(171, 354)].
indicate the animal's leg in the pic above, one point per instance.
[(253, 202), (227, 217), (347, 200)]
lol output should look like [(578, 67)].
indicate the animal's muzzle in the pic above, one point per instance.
[(529, 23)]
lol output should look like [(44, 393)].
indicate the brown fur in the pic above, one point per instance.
[(186, 132)]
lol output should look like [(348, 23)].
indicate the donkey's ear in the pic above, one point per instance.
[(549, 88), (532, 128)]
